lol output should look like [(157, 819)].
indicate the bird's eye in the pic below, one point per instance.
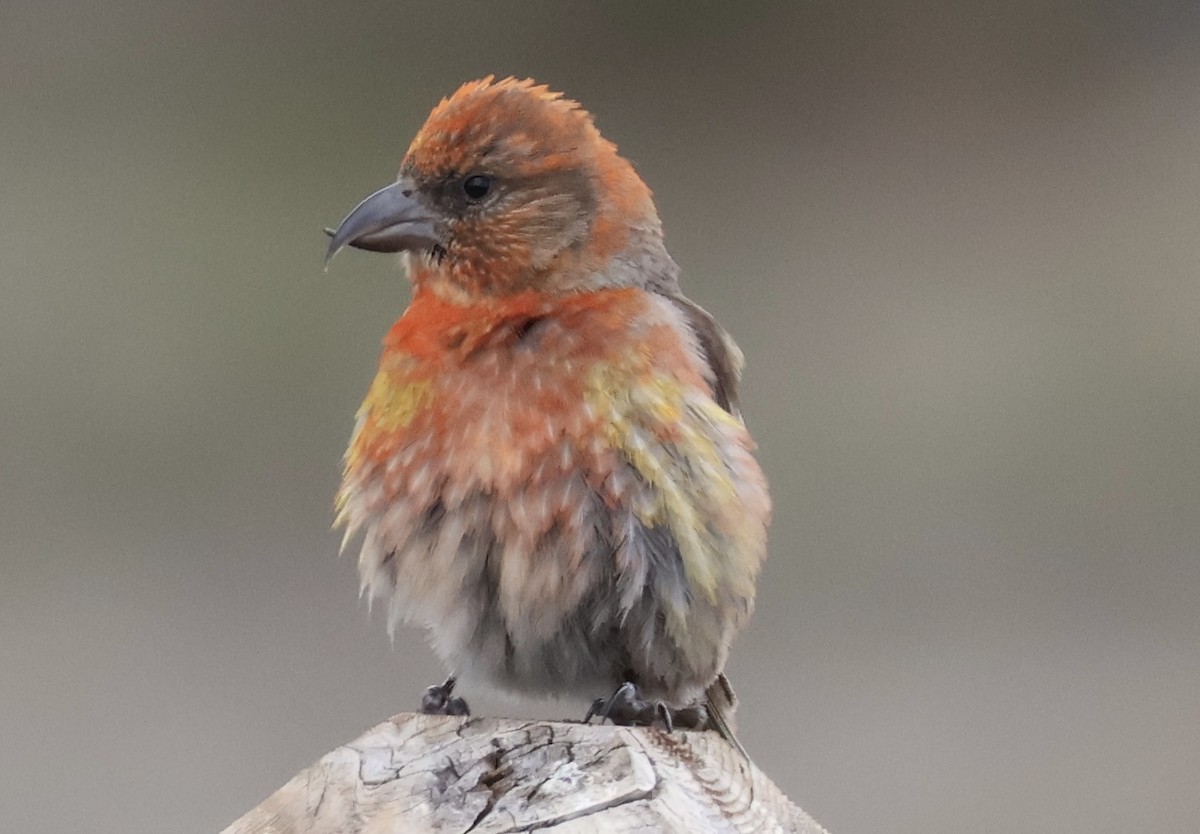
[(477, 186)]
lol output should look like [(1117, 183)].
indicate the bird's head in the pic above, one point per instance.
[(509, 187)]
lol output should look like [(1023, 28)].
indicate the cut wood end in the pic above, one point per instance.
[(418, 773)]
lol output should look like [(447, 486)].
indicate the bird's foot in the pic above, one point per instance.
[(439, 700), (626, 707)]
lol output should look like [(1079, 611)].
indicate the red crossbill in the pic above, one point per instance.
[(549, 470)]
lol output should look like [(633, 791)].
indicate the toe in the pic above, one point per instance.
[(456, 706)]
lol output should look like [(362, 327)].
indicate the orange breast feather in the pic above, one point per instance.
[(485, 391)]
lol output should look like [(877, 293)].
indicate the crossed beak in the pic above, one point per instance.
[(390, 220)]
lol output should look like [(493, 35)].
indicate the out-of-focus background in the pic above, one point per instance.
[(959, 243)]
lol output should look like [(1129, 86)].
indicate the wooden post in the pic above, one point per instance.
[(423, 773)]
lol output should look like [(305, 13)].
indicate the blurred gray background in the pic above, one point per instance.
[(957, 241)]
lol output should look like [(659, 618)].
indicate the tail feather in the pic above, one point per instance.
[(721, 701)]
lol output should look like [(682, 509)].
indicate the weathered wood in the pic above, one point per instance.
[(418, 773)]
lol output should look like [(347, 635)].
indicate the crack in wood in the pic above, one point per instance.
[(437, 773)]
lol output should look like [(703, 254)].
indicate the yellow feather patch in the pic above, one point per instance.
[(667, 433), (393, 403), (390, 405)]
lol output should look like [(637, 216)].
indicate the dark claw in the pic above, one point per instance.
[(597, 708), (626, 707), (664, 715), (439, 700)]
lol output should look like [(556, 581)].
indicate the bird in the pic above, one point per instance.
[(550, 472)]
